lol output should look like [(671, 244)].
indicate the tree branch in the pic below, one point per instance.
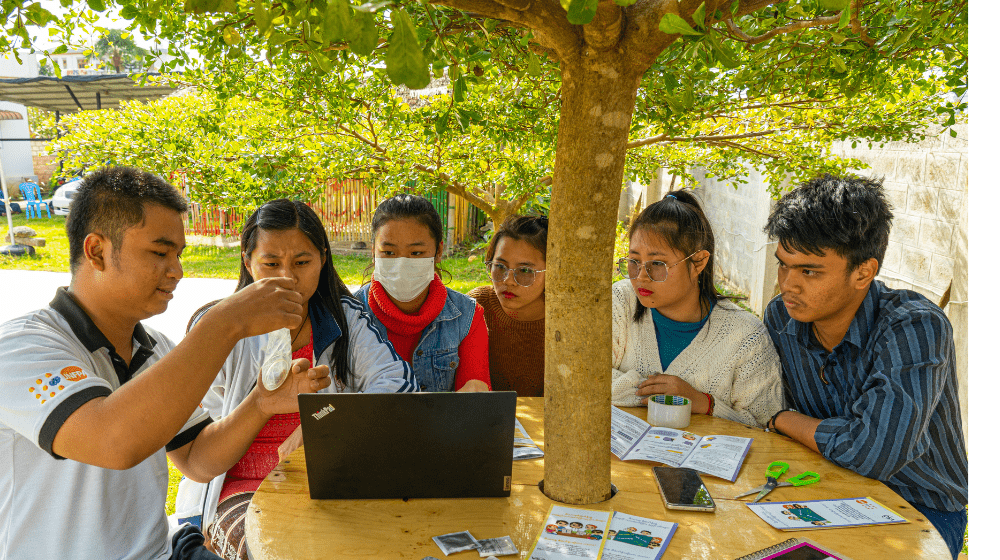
[(708, 138), (794, 26), (546, 18), (605, 31), (858, 29)]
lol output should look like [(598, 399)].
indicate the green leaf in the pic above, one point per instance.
[(197, 6), (337, 24), (835, 5), (97, 5), (404, 60), (838, 38), (534, 67), (724, 54), (367, 35), (673, 24), (699, 16), (458, 92), (441, 123), (231, 36), (60, 49), (838, 63), (280, 39), (625, 3), (262, 17), (845, 17), (371, 7), (323, 62), (581, 12)]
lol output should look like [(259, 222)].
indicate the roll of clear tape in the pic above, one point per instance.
[(669, 411), (277, 359)]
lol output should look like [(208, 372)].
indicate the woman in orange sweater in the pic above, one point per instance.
[(515, 305)]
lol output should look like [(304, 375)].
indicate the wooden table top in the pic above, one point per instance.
[(282, 522)]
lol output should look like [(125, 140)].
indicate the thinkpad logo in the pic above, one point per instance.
[(319, 414)]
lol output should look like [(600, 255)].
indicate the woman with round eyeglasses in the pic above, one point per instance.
[(674, 334), (514, 305)]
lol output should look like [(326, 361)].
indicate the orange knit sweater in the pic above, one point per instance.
[(517, 348)]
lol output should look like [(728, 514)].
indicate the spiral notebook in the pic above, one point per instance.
[(795, 549)]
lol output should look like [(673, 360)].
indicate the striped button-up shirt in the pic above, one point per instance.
[(887, 394)]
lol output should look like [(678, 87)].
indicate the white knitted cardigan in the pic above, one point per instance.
[(731, 357)]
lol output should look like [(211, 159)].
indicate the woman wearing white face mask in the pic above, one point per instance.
[(440, 332)]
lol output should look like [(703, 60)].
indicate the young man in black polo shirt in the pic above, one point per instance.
[(94, 402), (869, 371)]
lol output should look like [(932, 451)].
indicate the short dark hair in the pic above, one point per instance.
[(112, 200), (848, 215), (533, 230), (683, 225)]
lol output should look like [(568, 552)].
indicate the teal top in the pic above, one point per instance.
[(672, 337)]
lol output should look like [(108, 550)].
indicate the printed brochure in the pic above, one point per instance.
[(633, 439), (573, 534), (825, 514), (637, 538)]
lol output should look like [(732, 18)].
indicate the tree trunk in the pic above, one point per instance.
[(598, 98)]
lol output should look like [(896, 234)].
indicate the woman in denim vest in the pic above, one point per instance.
[(440, 332)]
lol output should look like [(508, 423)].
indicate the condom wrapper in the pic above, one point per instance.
[(456, 542), (277, 359)]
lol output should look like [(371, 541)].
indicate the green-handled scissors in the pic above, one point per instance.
[(774, 472)]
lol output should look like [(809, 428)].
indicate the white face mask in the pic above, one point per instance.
[(404, 278)]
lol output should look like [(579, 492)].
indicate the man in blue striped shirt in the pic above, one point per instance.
[(870, 371)]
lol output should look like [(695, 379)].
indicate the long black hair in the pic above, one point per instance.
[(409, 206), (283, 214), (679, 220)]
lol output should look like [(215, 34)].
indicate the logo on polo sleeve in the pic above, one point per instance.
[(46, 387), (73, 373)]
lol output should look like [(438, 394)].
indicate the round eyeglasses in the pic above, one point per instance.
[(656, 270), (523, 275)]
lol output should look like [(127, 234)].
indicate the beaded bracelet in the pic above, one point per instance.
[(771, 426)]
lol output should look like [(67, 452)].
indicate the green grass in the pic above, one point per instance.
[(213, 262), (53, 257)]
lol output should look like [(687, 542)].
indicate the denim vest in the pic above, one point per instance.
[(435, 358)]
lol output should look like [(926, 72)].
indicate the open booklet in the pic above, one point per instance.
[(633, 439), (825, 514), (575, 534)]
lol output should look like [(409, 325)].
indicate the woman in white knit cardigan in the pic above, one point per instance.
[(719, 356)]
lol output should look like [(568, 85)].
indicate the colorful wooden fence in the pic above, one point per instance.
[(345, 208)]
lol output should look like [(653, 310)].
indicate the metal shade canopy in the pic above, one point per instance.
[(83, 93)]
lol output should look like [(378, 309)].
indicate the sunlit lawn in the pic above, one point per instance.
[(212, 262)]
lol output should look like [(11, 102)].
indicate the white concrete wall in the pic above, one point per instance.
[(927, 184), (744, 259)]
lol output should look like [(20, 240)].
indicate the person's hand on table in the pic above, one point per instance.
[(473, 386), (672, 385), (293, 442), (301, 379)]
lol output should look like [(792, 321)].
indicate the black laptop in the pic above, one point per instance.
[(408, 445)]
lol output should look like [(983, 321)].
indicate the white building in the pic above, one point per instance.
[(15, 150)]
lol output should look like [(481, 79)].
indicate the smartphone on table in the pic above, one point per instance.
[(683, 489)]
